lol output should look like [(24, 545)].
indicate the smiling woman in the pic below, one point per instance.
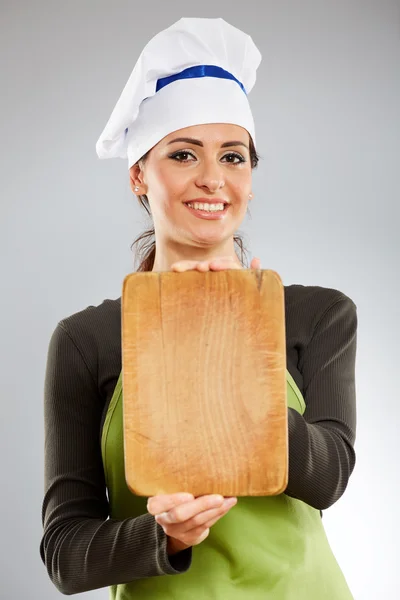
[(190, 164), (195, 169)]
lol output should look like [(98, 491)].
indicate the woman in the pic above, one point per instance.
[(185, 125)]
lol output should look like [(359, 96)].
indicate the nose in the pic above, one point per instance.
[(210, 177)]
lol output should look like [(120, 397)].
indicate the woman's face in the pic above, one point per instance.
[(202, 161)]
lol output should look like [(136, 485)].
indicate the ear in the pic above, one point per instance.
[(137, 179)]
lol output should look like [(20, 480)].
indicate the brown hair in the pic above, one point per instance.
[(146, 245)]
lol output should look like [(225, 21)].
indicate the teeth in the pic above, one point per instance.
[(206, 206)]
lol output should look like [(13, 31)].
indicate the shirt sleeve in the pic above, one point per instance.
[(81, 547), (321, 443)]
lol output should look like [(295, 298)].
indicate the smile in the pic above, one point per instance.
[(209, 214)]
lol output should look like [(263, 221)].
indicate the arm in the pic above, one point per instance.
[(321, 452), (81, 548)]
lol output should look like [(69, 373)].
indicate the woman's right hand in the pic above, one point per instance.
[(187, 520)]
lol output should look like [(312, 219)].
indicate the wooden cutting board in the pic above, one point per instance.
[(204, 383)]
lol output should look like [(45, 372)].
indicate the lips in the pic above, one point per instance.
[(207, 201), (208, 215)]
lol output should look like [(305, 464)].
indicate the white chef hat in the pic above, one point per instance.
[(197, 71)]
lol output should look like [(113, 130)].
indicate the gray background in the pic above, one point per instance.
[(325, 212)]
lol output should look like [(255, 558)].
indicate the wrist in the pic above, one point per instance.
[(174, 546)]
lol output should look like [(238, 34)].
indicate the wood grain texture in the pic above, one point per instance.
[(204, 383)]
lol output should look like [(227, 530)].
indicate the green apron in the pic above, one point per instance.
[(265, 547)]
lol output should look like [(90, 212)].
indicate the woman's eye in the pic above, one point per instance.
[(233, 155), (178, 156)]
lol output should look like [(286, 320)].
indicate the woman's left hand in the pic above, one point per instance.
[(216, 264)]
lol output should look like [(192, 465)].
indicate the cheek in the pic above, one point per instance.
[(168, 184), (167, 189), (242, 189), (241, 181)]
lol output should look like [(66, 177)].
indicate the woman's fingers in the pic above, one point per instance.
[(182, 505), (183, 523), (203, 266), (184, 265), (216, 518), (220, 264), (255, 263), (165, 502), (186, 522), (188, 510), (216, 264)]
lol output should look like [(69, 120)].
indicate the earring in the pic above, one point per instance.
[(136, 188), (250, 196)]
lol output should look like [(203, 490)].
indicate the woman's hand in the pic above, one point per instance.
[(216, 264), (187, 520)]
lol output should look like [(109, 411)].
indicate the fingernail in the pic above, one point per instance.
[(217, 498), (230, 501), (161, 517)]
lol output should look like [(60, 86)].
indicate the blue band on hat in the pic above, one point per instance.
[(198, 71)]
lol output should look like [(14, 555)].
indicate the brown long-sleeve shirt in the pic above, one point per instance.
[(82, 548)]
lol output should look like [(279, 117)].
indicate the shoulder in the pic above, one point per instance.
[(91, 336), (307, 305), (93, 330), (314, 296), (93, 319)]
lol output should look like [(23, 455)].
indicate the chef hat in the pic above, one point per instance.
[(196, 71)]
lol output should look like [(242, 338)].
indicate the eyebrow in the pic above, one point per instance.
[(200, 143)]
